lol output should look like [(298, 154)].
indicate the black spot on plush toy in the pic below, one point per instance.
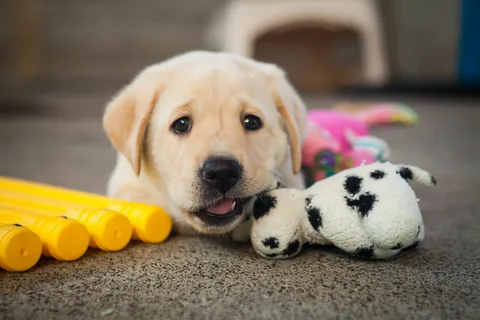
[(369, 211), (263, 205)]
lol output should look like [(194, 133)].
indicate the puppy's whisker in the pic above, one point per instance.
[(280, 177)]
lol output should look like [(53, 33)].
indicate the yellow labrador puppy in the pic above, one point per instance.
[(202, 133)]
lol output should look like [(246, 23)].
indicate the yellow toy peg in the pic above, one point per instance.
[(109, 231), (151, 224), (62, 239), (20, 248)]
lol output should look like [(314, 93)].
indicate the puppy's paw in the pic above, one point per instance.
[(241, 234)]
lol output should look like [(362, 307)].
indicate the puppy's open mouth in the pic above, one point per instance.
[(222, 212)]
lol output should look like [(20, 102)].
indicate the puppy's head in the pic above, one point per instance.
[(210, 130)]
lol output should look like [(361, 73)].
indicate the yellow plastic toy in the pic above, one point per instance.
[(151, 224), (62, 239), (109, 231), (20, 248)]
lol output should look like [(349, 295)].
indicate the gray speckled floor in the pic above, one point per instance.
[(205, 278)]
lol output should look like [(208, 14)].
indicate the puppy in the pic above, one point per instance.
[(201, 134)]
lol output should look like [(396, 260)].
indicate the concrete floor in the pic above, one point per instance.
[(205, 278)]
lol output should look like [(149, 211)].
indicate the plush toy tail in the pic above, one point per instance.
[(387, 113), (416, 174)]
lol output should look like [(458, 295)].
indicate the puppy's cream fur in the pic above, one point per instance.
[(157, 166)]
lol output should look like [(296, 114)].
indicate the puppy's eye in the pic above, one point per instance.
[(182, 125), (251, 122)]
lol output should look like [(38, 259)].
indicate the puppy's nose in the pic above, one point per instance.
[(221, 174)]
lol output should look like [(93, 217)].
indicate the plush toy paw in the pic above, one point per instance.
[(369, 211)]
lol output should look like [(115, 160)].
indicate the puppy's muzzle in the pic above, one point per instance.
[(221, 174)]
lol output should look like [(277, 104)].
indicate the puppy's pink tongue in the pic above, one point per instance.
[(224, 206)]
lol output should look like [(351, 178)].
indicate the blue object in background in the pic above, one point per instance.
[(469, 47)]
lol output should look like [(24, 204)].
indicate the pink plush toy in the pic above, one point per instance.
[(339, 140)]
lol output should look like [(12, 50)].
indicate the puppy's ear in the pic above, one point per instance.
[(127, 116), (293, 111)]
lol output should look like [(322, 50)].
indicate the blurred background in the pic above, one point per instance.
[(61, 60), (97, 45)]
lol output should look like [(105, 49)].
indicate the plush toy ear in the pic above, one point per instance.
[(291, 108), (127, 116), (416, 174)]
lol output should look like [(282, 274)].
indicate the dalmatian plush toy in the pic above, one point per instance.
[(368, 211)]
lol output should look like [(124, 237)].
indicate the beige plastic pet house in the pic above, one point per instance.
[(238, 25)]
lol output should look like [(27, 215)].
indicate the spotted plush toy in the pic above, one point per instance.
[(369, 211)]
